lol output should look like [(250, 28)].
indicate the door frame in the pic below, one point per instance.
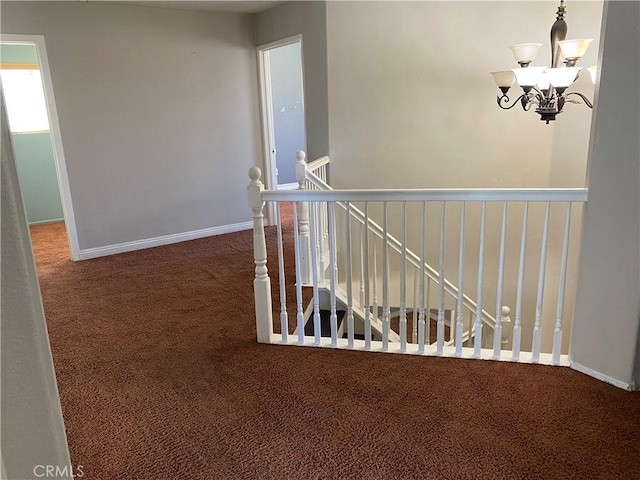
[(270, 178), (56, 136)]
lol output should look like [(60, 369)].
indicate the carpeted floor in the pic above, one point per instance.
[(160, 377)]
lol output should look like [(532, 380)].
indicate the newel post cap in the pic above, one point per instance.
[(254, 174), (254, 189)]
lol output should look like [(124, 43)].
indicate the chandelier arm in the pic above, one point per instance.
[(586, 101), (504, 100), (539, 92)]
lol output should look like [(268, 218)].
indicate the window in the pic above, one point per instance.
[(24, 95)]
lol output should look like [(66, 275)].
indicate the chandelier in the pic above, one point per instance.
[(546, 87)]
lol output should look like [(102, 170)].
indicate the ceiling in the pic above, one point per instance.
[(237, 6)]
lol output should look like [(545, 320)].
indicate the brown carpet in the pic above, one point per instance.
[(160, 377)]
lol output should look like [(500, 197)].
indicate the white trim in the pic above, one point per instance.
[(88, 253), (268, 140), (281, 43), (433, 194), (288, 186), (600, 376), (412, 349), (45, 222), (56, 137)]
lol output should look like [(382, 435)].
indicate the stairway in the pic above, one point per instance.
[(325, 324)]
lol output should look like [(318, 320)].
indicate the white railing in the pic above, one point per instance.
[(343, 249), (313, 176)]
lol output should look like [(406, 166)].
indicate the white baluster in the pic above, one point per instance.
[(403, 282), (333, 273), (427, 310), (497, 331), (478, 333), (414, 324), (303, 239), (296, 252), (325, 232), (374, 314), (557, 332), (506, 324), (320, 239), (362, 304), (386, 310), (421, 310), (459, 300), (262, 283), (452, 327), (517, 327), (537, 333), (367, 297), (440, 330), (284, 321), (316, 292), (349, 278)]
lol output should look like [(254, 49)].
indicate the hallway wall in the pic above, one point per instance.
[(158, 113)]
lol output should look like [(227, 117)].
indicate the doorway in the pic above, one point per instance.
[(283, 112), (37, 142)]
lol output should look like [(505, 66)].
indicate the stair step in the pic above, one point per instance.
[(325, 323), (394, 312)]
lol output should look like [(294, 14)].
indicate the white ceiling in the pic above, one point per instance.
[(237, 6), (234, 6)]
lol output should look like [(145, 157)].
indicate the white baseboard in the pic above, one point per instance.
[(45, 222), (600, 376), (88, 253), (287, 186)]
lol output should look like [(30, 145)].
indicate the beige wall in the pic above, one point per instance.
[(409, 81), (31, 420), (158, 111), (423, 96), (605, 334), (308, 19), (412, 105)]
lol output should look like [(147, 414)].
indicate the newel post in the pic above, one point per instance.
[(304, 238), (262, 283)]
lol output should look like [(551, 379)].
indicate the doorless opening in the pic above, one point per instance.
[(283, 117), (28, 93)]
